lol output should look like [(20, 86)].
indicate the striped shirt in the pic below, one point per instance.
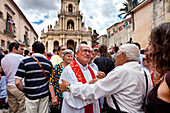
[(36, 84)]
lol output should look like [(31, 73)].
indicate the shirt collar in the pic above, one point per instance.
[(81, 65), (38, 55)]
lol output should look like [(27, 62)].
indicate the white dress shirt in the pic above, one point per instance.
[(74, 104), (126, 83)]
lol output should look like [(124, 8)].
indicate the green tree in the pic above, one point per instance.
[(127, 5), (125, 10)]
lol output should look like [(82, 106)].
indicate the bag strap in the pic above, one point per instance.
[(41, 67), (146, 90), (116, 105)]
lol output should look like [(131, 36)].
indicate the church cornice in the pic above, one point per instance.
[(71, 14), (65, 32)]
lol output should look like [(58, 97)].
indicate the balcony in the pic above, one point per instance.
[(134, 3), (10, 29)]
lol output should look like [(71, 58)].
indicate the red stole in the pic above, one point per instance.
[(80, 77)]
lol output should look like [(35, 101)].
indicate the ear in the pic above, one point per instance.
[(123, 55)]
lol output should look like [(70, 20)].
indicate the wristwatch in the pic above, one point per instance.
[(68, 88)]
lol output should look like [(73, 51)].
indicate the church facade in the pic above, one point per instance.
[(69, 30)]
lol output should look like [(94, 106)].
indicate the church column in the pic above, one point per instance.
[(63, 23), (61, 42), (60, 23), (50, 45), (77, 24)]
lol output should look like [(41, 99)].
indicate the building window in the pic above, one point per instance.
[(1, 14), (70, 25), (26, 39), (10, 25), (3, 43), (70, 8)]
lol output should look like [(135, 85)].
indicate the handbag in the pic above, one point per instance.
[(41, 67)]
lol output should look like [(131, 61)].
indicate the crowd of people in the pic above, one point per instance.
[(91, 80)]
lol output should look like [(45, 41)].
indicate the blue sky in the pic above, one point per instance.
[(98, 15)]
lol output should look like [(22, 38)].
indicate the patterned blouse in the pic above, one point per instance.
[(54, 81)]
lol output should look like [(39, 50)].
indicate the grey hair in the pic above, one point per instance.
[(67, 51), (81, 45), (131, 51)]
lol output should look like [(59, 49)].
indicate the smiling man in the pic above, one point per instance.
[(126, 83), (79, 71)]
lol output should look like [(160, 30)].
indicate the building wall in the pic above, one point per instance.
[(122, 36), (21, 24), (143, 25), (167, 11)]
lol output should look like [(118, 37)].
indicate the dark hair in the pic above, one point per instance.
[(38, 47), (11, 45), (49, 54), (103, 51), (59, 48), (142, 51), (137, 44), (54, 50), (17, 44), (116, 49), (159, 42), (26, 52), (83, 42)]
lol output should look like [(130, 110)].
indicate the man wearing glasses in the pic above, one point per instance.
[(10, 63), (79, 71), (56, 59)]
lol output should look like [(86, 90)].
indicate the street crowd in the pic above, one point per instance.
[(124, 79)]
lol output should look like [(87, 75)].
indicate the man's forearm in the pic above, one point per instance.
[(19, 84)]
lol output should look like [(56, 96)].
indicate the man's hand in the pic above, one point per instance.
[(101, 75), (93, 81), (63, 85), (54, 100), (18, 83)]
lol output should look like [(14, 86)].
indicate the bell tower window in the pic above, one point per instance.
[(70, 8)]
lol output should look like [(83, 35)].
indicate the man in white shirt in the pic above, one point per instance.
[(126, 83), (79, 71), (10, 63)]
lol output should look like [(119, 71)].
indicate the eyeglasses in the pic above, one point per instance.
[(62, 49), (22, 49), (144, 59), (85, 51)]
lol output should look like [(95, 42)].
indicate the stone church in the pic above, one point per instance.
[(69, 30)]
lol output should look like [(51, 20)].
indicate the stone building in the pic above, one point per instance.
[(147, 15), (14, 26), (69, 30), (94, 38), (120, 33), (102, 40)]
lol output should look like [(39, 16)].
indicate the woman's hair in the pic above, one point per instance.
[(67, 51), (159, 42)]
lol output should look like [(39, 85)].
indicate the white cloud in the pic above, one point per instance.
[(103, 12)]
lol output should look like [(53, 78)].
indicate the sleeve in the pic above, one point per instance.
[(72, 101), (104, 87), (52, 77), (167, 79), (21, 71)]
